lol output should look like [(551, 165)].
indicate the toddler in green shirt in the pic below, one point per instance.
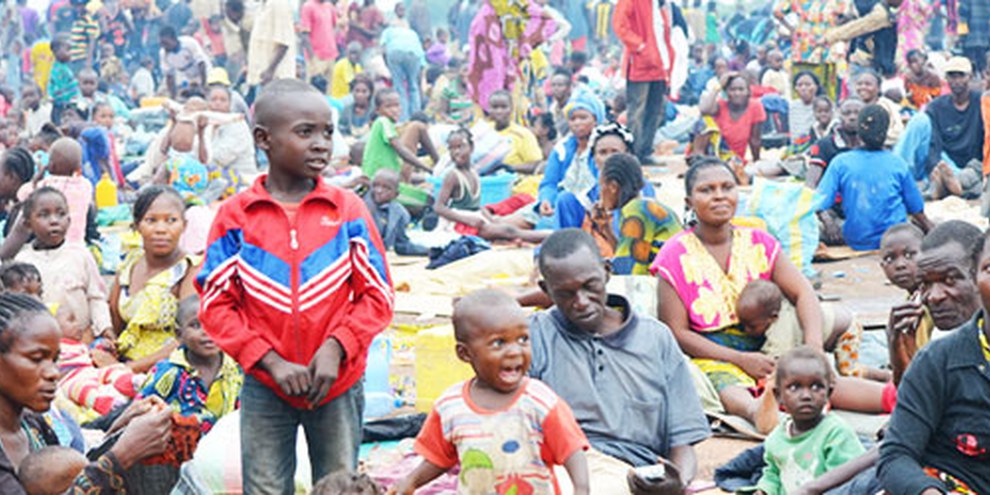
[(810, 442)]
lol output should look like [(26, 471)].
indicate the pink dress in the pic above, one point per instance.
[(709, 294), (912, 22)]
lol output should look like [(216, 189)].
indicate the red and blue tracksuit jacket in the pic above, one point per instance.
[(269, 283)]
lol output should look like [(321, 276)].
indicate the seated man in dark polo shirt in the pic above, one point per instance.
[(623, 374), (938, 439)]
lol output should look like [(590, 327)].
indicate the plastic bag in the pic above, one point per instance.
[(786, 207)]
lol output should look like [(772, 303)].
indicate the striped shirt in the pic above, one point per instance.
[(515, 447), (85, 30)]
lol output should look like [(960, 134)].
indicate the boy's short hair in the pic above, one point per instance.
[(387, 174), (235, 5), (346, 483), (187, 311), (51, 470), (60, 39), (381, 94), (500, 93), (467, 309), (762, 293), (16, 273), (563, 71), (167, 32), (902, 228), (801, 353), (267, 104)]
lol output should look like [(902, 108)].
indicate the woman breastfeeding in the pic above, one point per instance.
[(151, 281), (29, 346), (702, 272)]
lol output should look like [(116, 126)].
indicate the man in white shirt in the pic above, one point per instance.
[(183, 60), (272, 49)]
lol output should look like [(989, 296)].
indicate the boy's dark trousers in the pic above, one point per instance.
[(269, 427)]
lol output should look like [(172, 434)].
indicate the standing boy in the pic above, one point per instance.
[(62, 84), (504, 430), (295, 287)]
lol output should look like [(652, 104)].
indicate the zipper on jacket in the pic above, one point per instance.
[(294, 278)]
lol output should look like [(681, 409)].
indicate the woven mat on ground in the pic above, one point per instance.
[(494, 268)]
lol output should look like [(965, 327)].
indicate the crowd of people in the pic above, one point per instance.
[(268, 155)]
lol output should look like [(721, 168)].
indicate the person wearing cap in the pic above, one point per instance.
[(218, 76), (944, 144), (230, 144)]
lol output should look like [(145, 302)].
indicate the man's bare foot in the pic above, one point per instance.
[(937, 187), (949, 180)]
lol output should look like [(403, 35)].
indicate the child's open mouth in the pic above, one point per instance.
[(317, 163), (511, 374)]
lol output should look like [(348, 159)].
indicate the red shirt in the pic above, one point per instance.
[(319, 19), (736, 132), (517, 445), (632, 22), (271, 284), (369, 18)]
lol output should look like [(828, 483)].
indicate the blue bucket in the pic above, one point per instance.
[(494, 188)]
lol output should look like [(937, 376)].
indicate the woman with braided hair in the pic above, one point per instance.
[(16, 168), (29, 347), (629, 228)]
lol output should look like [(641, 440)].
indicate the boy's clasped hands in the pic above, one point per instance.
[(313, 381)]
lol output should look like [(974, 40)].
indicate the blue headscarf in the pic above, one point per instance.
[(584, 99)]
